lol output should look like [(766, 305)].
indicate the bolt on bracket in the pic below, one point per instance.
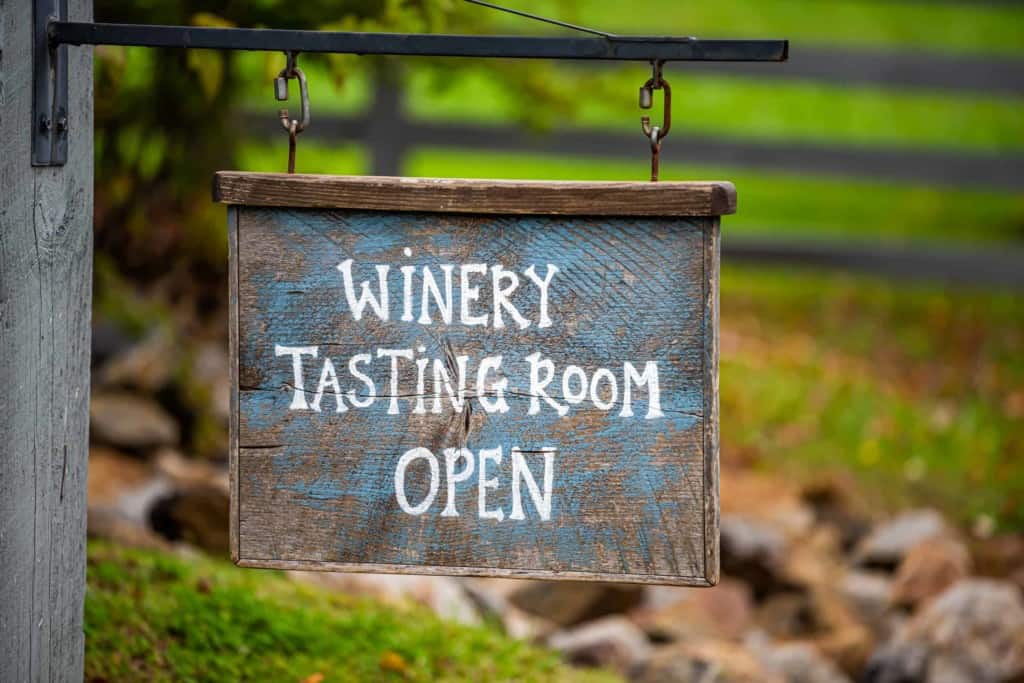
[(49, 87)]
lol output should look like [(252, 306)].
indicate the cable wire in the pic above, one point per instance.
[(546, 20)]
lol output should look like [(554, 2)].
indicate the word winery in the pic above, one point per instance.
[(439, 290)]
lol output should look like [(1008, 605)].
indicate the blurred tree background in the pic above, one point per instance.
[(167, 119), (895, 134), (915, 388)]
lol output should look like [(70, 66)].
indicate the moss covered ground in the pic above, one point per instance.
[(151, 616)]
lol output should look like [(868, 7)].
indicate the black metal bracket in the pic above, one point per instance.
[(625, 48), (49, 86), (53, 33)]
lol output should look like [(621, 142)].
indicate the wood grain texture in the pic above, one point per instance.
[(45, 302), (233, 370), (712, 259), (314, 490), (682, 199), (291, 565)]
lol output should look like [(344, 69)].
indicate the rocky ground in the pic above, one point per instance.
[(816, 587)]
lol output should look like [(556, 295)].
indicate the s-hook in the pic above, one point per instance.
[(293, 126), (655, 134)]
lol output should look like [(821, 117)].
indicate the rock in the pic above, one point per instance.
[(707, 661), (974, 631), (836, 503), (898, 663), (613, 642), (771, 500), (722, 612), (1000, 557), (929, 568), (196, 515), (820, 617), (567, 603), (813, 560), (123, 486), (146, 366), (490, 594), (107, 524), (764, 557), (190, 473), (108, 339), (867, 594), (491, 598), (525, 626), (181, 499), (210, 369), (754, 552), (795, 662), (130, 422), (441, 594), (121, 492), (887, 543), (848, 643), (789, 615), (768, 536), (802, 663), (112, 474)]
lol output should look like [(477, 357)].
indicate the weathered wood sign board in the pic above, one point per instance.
[(475, 377)]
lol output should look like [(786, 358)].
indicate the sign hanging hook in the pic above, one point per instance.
[(293, 126), (655, 134)]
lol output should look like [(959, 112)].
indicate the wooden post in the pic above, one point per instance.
[(45, 303)]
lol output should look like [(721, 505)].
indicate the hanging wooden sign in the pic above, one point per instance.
[(475, 377)]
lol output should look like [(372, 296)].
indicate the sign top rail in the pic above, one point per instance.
[(452, 195), (622, 48)]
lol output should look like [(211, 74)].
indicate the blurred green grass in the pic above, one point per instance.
[(156, 617), (916, 388)]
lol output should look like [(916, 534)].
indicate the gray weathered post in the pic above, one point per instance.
[(45, 303)]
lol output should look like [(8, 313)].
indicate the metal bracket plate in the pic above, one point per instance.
[(49, 87)]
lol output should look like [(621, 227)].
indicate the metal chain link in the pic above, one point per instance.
[(655, 134)]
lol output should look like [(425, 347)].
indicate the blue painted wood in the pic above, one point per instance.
[(630, 495)]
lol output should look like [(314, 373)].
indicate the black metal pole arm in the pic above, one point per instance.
[(53, 33), (418, 44)]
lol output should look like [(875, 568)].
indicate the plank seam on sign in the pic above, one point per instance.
[(449, 195), (445, 570)]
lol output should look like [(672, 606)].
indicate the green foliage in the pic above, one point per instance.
[(131, 312), (166, 120), (155, 617), (916, 389)]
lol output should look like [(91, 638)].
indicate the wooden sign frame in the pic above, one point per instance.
[(687, 211)]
